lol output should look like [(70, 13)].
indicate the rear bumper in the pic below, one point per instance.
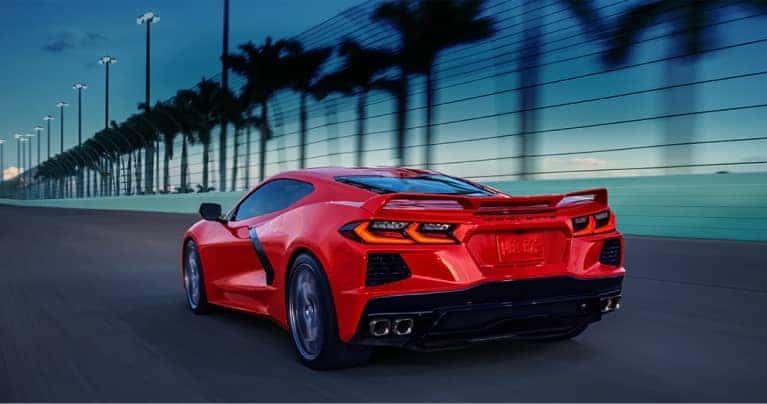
[(522, 309)]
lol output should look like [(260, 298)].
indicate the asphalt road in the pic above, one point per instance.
[(91, 309)]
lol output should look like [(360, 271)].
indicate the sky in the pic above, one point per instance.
[(48, 45), (43, 60)]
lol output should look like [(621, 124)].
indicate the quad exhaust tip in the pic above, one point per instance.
[(379, 328), (610, 304), (383, 327), (403, 326)]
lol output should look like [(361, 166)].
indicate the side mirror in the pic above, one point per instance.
[(210, 211)]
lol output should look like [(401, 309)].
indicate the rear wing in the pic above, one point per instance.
[(500, 204)]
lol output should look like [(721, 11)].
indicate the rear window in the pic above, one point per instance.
[(426, 184)]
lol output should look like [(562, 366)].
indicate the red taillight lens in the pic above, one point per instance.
[(601, 222), (395, 232)]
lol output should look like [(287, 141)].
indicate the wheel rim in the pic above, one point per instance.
[(304, 312), (192, 280)]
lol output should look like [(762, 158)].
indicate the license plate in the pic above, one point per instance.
[(520, 248)]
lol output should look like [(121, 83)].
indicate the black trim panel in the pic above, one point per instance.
[(519, 309), (262, 256), (523, 290)]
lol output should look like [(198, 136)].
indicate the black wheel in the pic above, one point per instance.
[(194, 281), (312, 320)]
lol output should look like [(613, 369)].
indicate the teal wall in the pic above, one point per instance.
[(717, 206), (724, 206)]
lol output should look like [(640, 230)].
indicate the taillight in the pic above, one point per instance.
[(601, 222), (396, 232)]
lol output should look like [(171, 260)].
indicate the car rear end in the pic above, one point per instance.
[(445, 270)]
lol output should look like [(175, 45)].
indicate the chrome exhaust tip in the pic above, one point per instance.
[(379, 328), (403, 326), (610, 304)]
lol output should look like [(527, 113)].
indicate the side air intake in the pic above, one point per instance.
[(385, 268)]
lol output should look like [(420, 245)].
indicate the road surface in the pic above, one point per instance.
[(91, 309)]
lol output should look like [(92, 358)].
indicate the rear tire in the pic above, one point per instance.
[(312, 320), (194, 280)]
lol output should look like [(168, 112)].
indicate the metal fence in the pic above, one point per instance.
[(661, 112)]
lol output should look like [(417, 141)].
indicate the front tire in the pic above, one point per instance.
[(312, 320), (194, 280)]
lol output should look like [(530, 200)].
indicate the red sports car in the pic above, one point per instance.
[(347, 259)]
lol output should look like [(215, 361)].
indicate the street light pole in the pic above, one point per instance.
[(106, 61), (18, 138), (48, 120), (148, 19), (2, 161), (29, 137), (61, 105), (38, 129), (79, 87)]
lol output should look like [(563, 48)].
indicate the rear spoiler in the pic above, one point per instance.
[(501, 204)]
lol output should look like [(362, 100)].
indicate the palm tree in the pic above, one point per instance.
[(207, 111), (439, 25), (263, 68), (690, 18), (162, 115), (401, 18), (531, 49), (185, 116), (303, 68), (234, 110), (358, 75)]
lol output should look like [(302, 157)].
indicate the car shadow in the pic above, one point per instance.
[(232, 341)]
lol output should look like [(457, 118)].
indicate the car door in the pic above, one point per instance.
[(251, 225)]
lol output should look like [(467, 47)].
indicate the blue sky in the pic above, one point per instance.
[(48, 45)]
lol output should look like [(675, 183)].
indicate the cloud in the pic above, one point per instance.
[(589, 162), (10, 172), (69, 40)]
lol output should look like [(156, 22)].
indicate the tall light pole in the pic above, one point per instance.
[(79, 87), (224, 124), (2, 161), (148, 19), (106, 61), (19, 138), (61, 105), (29, 137), (48, 120), (38, 129)]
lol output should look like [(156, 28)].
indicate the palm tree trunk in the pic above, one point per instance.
[(205, 164), (531, 50), (128, 176), (149, 165), (428, 136), (117, 173), (361, 118), (137, 171), (166, 169), (247, 157), (235, 151), (265, 135), (184, 157), (302, 132), (222, 156), (678, 100), (262, 154), (402, 103)]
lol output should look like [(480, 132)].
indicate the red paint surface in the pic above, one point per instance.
[(499, 238)]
